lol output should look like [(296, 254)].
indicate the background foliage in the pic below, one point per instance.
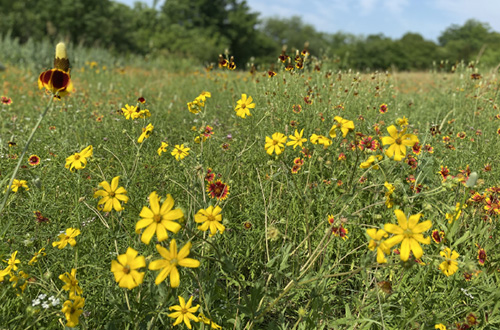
[(201, 29)]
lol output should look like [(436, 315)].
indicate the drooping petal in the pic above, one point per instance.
[(416, 248), (148, 233), (174, 277), (405, 249)]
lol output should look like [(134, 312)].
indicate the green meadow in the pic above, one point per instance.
[(309, 198)]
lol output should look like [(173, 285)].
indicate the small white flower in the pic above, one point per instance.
[(35, 302), (55, 302), (45, 305), (42, 296)]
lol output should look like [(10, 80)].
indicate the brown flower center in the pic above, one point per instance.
[(157, 217)]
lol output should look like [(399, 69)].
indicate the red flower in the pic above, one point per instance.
[(6, 100), (481, 256), (218, 190), (34, 160)]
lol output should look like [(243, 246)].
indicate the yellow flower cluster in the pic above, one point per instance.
[(198, 104)]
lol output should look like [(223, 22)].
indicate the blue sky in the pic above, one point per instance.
[(393, 18)]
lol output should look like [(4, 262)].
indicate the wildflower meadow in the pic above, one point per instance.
[(164, 195)]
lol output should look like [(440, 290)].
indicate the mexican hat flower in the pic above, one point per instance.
[(57, 80)]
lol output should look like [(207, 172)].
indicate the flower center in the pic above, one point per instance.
[(126, 269), (211, 217), (77, 156), (111, 194), (157, 217), (243, 106), (174, 261)]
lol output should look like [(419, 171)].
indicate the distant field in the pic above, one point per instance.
[(296, 194)]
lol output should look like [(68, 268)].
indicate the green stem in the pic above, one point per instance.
[(21, 158)]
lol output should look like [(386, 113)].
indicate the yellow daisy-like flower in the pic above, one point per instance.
[(377, 242), (12, 262), (210, 218), (130, 112), (296, 140), (450, 265), (372, 162), (67, 238), (172, 259), (126, 268), (162, 148), (344, 125), (146, 132), (40, 252), (320, 139), (158, 219), (243, 106), (409, 234), (184, 312), (72, 310), (204, 95), (206, 320), (111, 196), (78, 160), (275, 143), (16, 184), (440, 326), (180, 152), (70, 282), (398, 142)]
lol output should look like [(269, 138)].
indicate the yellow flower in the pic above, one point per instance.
[(275, 144), (398, 142), (126, 268), (372, 162), (158, 219), (180, 152), (40, 252), (409, 234), (454, 216), (243, 106), (377, 242), (130, 112), (184, 312), (71, 283), (72, 310), (12, 262), (343, 124), (204, 95), (440, 326), (172, 259), (78, 160), (162, 148), (146, 132), (3, 273), (320, 139), (449, 266), (403, 122), (16, 184), (210, 219), (296, 140), (67, 238), (206, 320), (111, 196), (390, 190)]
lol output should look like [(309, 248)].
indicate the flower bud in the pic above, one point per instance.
[(471, 182)]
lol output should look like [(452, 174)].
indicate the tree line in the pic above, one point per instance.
[(202, 29)]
